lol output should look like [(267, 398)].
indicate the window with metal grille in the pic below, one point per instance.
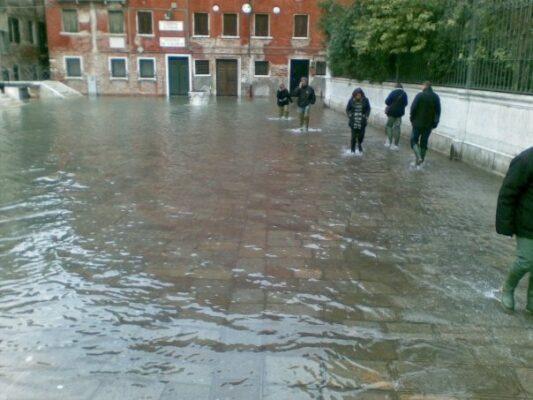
[(230, 25), (261, 25), (70, 21), (116, 21), (320, 68), (261, 68), (144, 23), (201, 67), (146, 68), (300, 26), (201, 24), (73, 67), (29, 32), (14, 30), (118, 68)]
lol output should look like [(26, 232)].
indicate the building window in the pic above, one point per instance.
[(14, 30), (147, 68), (201, 67), (118, 68), (261, 68), (29, 34), (73, 67), (70, 21), (201, 24), (144, 23), (261, 25), (5, 74), (230, 25), (116, 21), (4, 42), (320, 68), (300, 26)]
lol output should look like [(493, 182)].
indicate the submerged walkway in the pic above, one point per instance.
[(154, 250)]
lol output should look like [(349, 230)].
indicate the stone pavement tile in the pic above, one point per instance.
[(185, 391), (246, 266), (352, 374), (525, 376), (435, 352), (278, 392), (293, 371), (360, 394), (246, 309), (307, 273), (302, 310), (236, 389), (284, 251), (370, 313), (48, 385), (470, 333), (478, 381), (279, 272), (247, 296), (513, 336), (490, 353), (133, 388), (287, 262), (251, 249), (280, 296), (210, 272), (339, 273), (405, 330)]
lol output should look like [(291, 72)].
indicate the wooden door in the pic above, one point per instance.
[(227, 78), (178, 76)]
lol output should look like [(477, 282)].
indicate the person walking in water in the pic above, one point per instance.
[(395, 103), (284, 98), (306, 97), (514, 216), (425, 116), (358, 111)]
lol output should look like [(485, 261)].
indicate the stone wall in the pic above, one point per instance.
[(485, 129)]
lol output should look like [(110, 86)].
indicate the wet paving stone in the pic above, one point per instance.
[(211, 253)]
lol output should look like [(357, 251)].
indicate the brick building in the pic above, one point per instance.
[(23, 51), (165, 47)]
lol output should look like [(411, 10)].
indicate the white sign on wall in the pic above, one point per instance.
[(117, 42), (172, 41), (171, 26)]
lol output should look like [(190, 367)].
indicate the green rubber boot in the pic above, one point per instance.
[(306, 122), (529, 306), (423, 151), (516, 273), (416, 150)]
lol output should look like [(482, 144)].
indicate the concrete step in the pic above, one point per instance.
[(57, 89)]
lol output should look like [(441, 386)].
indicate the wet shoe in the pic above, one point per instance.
[(507, 300), (356, 153), (394, 147), (387, 144)]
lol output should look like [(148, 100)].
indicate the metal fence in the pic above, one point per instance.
[(492, 50)]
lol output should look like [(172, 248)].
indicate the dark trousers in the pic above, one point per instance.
[(422, 135), (358, 135)]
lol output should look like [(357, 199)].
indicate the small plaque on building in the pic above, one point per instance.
[(171, 26), (172, 42), (117, 42)]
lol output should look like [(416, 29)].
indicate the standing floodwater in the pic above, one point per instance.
[(150, 249)]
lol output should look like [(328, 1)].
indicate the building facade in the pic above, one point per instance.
[(165, 47), (23, 49)]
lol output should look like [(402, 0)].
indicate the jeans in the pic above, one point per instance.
[(358, 135), (393, 129), (422, 135), (304, 110)]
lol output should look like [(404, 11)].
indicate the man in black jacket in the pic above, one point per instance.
[(305, 95), (425, 116), (514, 216), (395, 103)]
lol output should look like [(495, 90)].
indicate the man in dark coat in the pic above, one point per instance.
[(306, 97), (514, 216), (395, 103), (358, 111), (425, 116)]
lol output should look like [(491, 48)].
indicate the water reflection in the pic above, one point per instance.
[(210, 251)]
